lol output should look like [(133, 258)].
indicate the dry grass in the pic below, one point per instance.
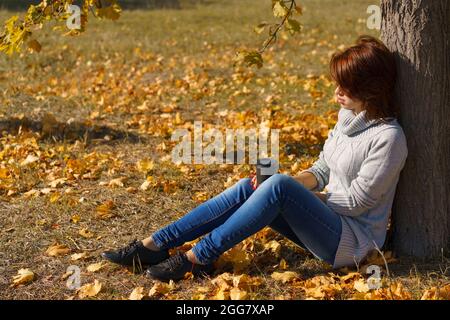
[(196, 40)]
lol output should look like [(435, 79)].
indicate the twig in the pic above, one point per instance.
[(273, 36), (384, 259)]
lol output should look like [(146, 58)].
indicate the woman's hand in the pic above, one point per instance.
[(321, 196)]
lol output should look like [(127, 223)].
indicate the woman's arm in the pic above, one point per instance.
[(310, 182), (307, 179)]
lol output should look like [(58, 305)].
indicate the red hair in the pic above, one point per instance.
[(367, 72)]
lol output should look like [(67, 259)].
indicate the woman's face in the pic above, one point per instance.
[(346, 102)]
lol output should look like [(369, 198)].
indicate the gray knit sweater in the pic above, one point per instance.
[(360, 166)]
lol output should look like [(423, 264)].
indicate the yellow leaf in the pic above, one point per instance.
[(161, 288), (4, 173), (286, 276), (95, 266), (279, 10), (85, 233), (118, 182), (238, 294), (78, 256), (273, 246), (104, 210), (145, 165), (199, 296), (137, 294), (89, 290), (437, 293), (29, 159), (221, 295), (283, 264), (57, 250), (23, 276), (223, 281), (351, 276), (361, 286), (57, 182), (239, 258), (75, 218), (200, 196), (147, 183), (55, 197), (321, 287), (246, 282), (398, 292)]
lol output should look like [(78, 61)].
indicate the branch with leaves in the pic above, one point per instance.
[(18, 32), (284, 10)]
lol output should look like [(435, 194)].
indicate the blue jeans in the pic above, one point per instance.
[(280, 202)]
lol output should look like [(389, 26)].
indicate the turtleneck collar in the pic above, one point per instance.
[(352, 123)]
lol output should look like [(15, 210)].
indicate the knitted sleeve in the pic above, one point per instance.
[(320, 168), (376, 175)]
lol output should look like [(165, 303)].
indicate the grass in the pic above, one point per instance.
[(169, 61)]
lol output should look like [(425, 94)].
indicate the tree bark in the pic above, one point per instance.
[(417, 31)]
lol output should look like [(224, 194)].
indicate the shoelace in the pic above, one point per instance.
[(174, 261), (128, 248)]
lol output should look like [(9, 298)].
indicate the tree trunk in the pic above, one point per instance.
[(418, 32)]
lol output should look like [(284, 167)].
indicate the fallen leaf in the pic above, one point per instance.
[(436, 293), (75, 218), (361, 286), (57, 250), (221, 295), (54, 197), (286, 276), (200, 196), (137, 294), (78, 256), (89, 290), (104, 209), (246, 282), (23, 276), (85, 233), (29, 159), (223, 281), (238, 294), (145, 165), (273, 246), (161, 288), (147, 183), (118, 182), (283, 264), (96, 266)]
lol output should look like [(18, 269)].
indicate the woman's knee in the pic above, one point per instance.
[(245, 184), (279, 179)]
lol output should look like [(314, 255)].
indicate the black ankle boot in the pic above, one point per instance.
[(135, 254), (176, 267)]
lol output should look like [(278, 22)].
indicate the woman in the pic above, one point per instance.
[(360, 166)]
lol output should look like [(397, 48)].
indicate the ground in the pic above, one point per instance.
[(85, 150)]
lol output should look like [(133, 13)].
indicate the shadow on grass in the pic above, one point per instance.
[(50, 129)]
